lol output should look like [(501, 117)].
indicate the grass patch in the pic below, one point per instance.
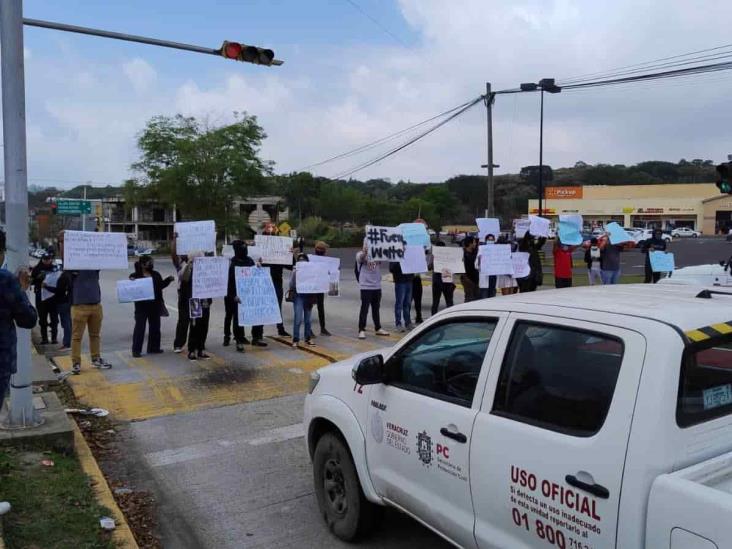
[(53, 507)]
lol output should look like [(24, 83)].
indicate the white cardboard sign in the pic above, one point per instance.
[(486, 226), (195, 236), (414, 260), (274, 250), (94, 251), (312, 278), (258, 302), (450, 259), (539, 226), (521, 268), (384, 243), (495, 259), (210, 277), (139, 289), (50, 280)]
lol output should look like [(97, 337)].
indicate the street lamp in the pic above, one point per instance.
[(544, 85)]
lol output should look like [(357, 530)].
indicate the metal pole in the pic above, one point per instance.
[(83, 215), (541, 154), (22, 413), (489, 97)]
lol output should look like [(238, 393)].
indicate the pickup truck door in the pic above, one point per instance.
[(549, 443), (420, 422)]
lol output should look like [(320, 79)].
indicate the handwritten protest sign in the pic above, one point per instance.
[(195, 236), (521, 227), (94, 251), (227, 250), (333, 265), (539, 226), (573, 219), (255, 253), (495, 259), (415, 234), (569, 234), (414, 260), (312, 278), (521, 268), (662, 262), (334, 284), (275, 250), (210, 277), (486, 226), (51, 279), (140, 289), (256, 293), (384, 243), (450, 259), (618, 235)]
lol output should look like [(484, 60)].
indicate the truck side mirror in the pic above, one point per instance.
[(369, 371)]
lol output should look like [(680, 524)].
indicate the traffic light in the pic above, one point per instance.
[(724, 177), (248, 54)]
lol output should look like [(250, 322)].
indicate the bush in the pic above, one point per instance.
[(312, 227)]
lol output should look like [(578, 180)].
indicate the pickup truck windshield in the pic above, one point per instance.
[(705, 387)]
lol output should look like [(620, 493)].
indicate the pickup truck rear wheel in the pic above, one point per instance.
[(345, 509)]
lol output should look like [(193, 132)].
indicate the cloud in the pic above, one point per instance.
[(140, 74)]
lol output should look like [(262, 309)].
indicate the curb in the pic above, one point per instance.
[(288, 342), (122, 533)]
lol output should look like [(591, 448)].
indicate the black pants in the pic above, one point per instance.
[(320, 301), (181, 329), (231, 320), (471, 289), (147, 312), (527, 284), (370, 298), (199, 331), (277, 281), (560, 282), (440, 288), (4, 385), (417, 297), (651, 277), (47, 316)]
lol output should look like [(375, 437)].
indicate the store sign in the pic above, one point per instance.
[(547, 211), (563, 192), (650, 210), (628, 210)]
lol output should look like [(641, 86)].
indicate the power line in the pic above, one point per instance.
[(376, 22)]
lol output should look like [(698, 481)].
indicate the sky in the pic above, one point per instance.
[(348, 80)]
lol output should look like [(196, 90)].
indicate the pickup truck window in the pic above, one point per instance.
[(444, 362), (558, 378), (705, 387)]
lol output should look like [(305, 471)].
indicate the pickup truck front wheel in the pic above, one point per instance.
[(345, 509)]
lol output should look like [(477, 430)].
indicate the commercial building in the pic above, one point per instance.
[(698, 206)]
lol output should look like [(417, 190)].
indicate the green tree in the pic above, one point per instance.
[(200, 168)]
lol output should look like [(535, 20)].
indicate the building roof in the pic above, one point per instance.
[(668, 303)]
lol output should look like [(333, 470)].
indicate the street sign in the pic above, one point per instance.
[(73, 207)]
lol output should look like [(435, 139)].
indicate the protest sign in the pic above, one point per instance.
[(662, 262), (486, 226), (574, 219), (94, 251), (195, 308), (255, 253), (521, 268), (414, 260), (539, 226), (312, 278), (140, 289), (450, 259), (227, 250), (333, 264), (618, 235), (415, 234), (195, 236), (275, 250), (569, 234), (210, 277), (521, 227), (50, 280), (384, 243), (258, 302), (495, 259), (334, 284)]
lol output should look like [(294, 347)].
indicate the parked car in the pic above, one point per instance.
[(685, 232), (531, 421), (647, 234), (144, 251)]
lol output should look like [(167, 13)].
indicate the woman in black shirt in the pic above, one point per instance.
[(149, 311)]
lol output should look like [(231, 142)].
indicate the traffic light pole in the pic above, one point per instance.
[(541, 154), (21, 413), (489, 97)]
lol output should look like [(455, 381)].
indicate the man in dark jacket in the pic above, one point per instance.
[(15, 309), (471, 278), (47, 314), (536, 277), (241, 259), (654, 244), (275, 271)]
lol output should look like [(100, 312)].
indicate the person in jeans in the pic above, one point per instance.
[(610, 259), (321, 248), (150, 311), (303, 304), (62, 294), (403, 292), (592, 259), (180, 262), (368, 274), (15, 310), (442, 284)]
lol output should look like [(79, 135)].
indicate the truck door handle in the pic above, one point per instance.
[(594, 489), (461, 438)]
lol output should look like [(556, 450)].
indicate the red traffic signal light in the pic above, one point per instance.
[(248, 54)]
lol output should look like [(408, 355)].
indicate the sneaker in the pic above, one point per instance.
[(362, 334), (136, 355), (192, 356), (401, 329), (310, 343), (408, 328), (240, 347), (101, 364), (283, 333), (203, 356), (227, 341), (76, 369), (259, 343), (325, 332), (177, 350), (295, 344), (381, 332)]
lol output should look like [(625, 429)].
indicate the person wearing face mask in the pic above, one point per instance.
[(653, 244), (275, 271), (486, 283), (303, 304), (592, 259), (241, 259), (47, 313), (532, 246), (471, 278), (321, 248), (150, 311)]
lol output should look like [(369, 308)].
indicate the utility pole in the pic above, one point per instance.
[(83, 215), (541, 154), (489, 98), (21, 413)]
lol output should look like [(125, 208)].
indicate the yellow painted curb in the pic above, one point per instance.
[(122, 533)]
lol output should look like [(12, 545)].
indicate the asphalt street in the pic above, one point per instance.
[(220, 442)]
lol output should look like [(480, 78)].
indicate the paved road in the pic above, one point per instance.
[(220, 442)]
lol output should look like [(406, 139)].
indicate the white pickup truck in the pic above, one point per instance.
[(583, 418)]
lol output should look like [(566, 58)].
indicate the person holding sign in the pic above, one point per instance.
[(321, 248), (471, 278), (368, 274), (610, 258), (149, 312), (275, 271), (442, 283), (47, 313), (199, 312), (62, 294), (487, 283), (592, 259), (303, 304), (532, 246), (562, 264), (654, 244), (241, 259), (403, 294)]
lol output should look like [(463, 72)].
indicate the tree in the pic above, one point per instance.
[(200, 168)]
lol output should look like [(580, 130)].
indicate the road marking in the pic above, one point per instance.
[(208, 449)]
